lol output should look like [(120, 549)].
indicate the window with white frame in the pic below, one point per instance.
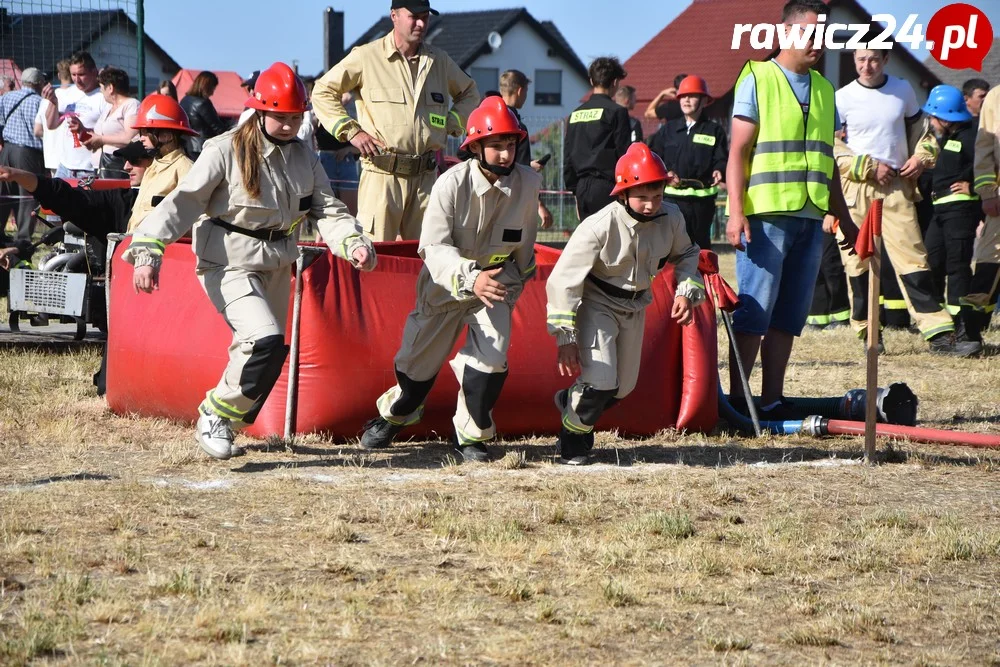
[(548, 87)]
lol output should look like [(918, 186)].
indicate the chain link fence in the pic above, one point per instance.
[(40, 33)]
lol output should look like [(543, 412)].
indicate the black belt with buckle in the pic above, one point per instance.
[(402, 164), (616, 292), (262, 234)]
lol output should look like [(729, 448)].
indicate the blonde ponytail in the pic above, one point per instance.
[(248, 143)]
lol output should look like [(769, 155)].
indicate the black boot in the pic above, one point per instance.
[(474, 452), (574, 448), (946, 343), (969, 325), (379, 433)]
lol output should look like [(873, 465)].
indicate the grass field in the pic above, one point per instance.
[(120, 543)]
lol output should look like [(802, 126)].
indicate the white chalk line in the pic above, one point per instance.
[(390, 476)]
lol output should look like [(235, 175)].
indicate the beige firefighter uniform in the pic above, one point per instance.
[(159, 181), (598, 293), (986, 279), (411, 107), (900, 234), (471, 225), (245, 250)]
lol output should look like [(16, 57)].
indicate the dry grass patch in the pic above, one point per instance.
[(121, 544)]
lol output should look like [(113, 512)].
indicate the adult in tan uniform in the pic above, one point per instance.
[(257, 183), (980, 302), (410, 97), (477, 244), (598, 293), (161, 123)]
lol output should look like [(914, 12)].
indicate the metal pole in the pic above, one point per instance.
[(743, 374), (291, 400), (140, 21)]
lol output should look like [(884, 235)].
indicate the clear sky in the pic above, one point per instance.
[(251, 34)]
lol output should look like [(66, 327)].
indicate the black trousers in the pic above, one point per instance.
[(699, 214), (831, 302), (893, 310), (28, 159), (592, 194), (950, 239)]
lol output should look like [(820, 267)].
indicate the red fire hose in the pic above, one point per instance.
[(916, 434)]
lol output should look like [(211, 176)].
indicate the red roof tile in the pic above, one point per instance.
[(229, 97), (698, 42)]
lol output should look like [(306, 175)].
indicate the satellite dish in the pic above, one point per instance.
[(494, 40)]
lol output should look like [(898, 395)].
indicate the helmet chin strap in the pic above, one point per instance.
[(273, 140), (641, 217), (495, 169)]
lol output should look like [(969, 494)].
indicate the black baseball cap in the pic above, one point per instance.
[(133, 152), (415, 6), (251, 80)]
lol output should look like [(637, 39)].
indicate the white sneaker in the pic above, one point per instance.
[(215, 436)]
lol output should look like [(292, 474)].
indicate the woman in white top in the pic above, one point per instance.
[(114, 128)]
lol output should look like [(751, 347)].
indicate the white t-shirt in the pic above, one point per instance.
[(88, 107), (50, 138), (875, 118)]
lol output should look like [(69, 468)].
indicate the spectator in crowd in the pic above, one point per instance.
[(52, 139), (478, 249), (248, 243), (665, 107), (7, 84), (778, 194), (625, 96), (79, 107), (248, 83), (21, 148), (880, 113), (596, 137), (167, 88), (63, 73), (307, 131), (113, 129), (974, 91), (201, 113), (695, 151), (411, 97), (514, 91)]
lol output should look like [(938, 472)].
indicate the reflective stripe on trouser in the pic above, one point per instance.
[(986, 278), (610, 345), (389, 205), (255, 306), (427, 342), (831, 300), (901, 236)]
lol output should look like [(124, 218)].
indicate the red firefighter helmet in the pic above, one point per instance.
[(279, 89), (161, 112), (491, 118), (694, 85), (638, 166)]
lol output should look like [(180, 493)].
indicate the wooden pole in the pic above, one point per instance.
[(874, 290)]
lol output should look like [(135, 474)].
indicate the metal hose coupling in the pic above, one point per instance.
[(815, 426)]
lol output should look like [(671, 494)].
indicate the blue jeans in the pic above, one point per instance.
[(777, 273), (344, 173)]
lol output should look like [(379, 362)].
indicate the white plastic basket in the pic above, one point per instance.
[(48, 292)]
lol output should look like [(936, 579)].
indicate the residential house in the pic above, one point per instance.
[(956, 77), (110, 36), (698, 42), (486, 43)]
